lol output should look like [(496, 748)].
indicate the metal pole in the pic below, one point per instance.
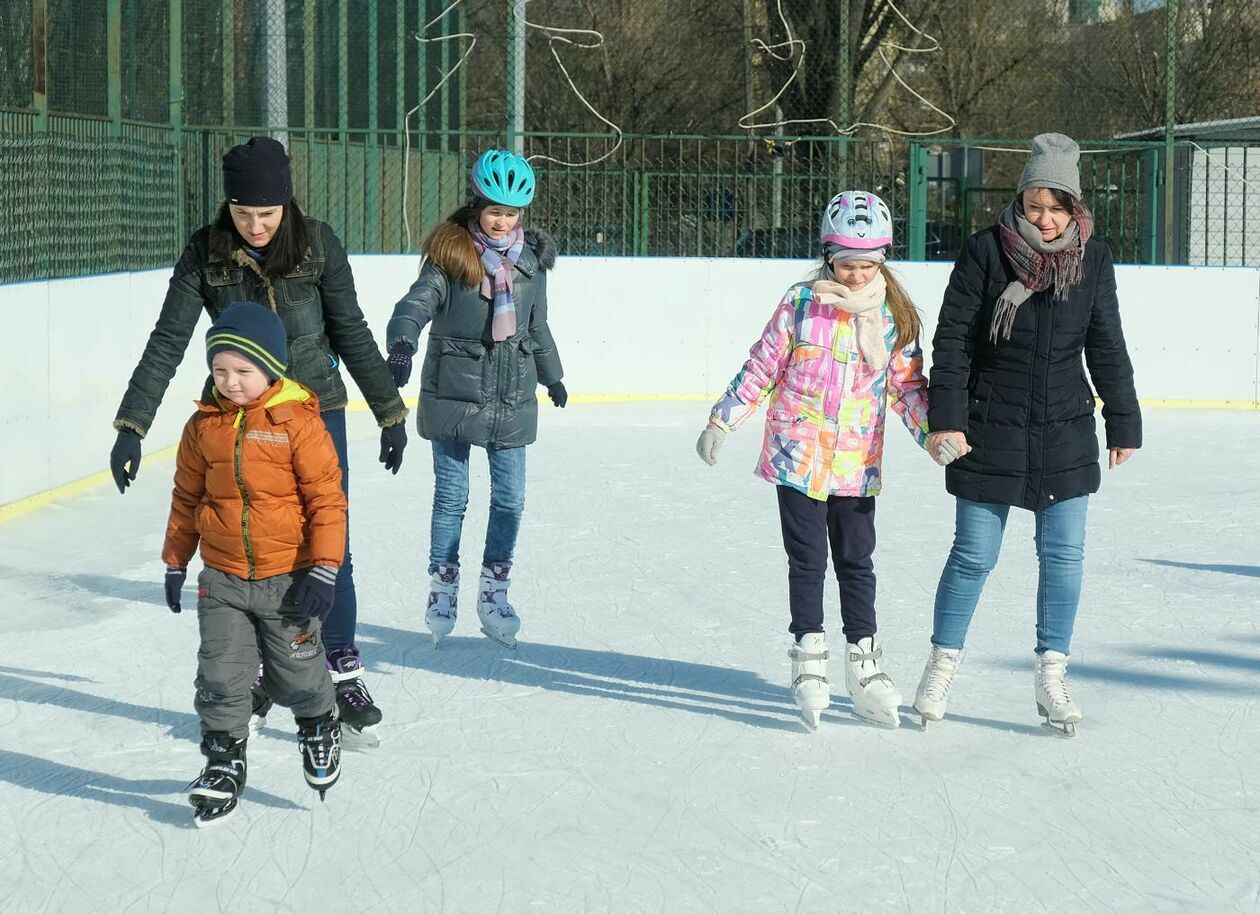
[(844, 78), (515, 127), (113, 30), (372, 147), (276, 86), (229, 63), (175, 38), (1170, 126), (917, 220), (39, 62)]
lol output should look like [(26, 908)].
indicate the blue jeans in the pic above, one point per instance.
[(339, 629), (978, 530), (450, 501)]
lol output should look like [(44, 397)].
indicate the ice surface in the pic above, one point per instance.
[(640, 751)]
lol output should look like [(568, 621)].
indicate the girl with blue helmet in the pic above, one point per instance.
[(483, 289)]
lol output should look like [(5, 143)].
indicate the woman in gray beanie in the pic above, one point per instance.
[(262, 248), (1012, 413)]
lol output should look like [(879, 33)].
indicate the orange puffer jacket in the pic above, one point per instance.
[(259, 486)]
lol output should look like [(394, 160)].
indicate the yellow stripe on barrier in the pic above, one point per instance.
[(79, 486), (16, 509)]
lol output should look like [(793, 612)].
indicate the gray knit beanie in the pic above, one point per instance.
[(1053, 162)]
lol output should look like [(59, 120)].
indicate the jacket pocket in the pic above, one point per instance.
[(803, 375), (526, 371), (461, 369), (310, 360), (301, 287), (978, 402)]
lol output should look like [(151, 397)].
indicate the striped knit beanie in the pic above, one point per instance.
[(253, 331)]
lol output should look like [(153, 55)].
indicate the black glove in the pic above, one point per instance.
[(559, 396), (393, 443), (400, 364), (126, 451), (174, 585), (314, 595)]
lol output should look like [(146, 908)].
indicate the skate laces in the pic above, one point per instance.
[(355, 693), (318, 744), (941, 672), (1053, 675)]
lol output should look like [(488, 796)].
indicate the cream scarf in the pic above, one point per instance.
[(867, 305)]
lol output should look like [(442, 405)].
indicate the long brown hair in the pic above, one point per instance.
[(450, 247), (285, 251), (904, 314)]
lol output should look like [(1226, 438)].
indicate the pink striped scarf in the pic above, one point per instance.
[(498, 256)]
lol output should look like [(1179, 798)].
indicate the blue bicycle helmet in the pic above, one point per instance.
[(503, 178)]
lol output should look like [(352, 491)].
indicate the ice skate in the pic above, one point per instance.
[(441, 611), (875, 698), (809, 677), (1058, 712), (319, 742), (261, 702), (214, 793), (499, 620), (938, 676), (358, 714)]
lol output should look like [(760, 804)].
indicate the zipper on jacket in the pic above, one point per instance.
[(239, 425)]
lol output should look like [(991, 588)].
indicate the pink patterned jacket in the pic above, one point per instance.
[(825, 421)]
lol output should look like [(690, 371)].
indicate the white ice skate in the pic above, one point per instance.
[(1058, 712), (809, 677), (442, 609), (875, 698), (938, 676), (499, 620)]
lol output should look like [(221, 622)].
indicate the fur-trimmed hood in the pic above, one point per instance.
[(543, 247)]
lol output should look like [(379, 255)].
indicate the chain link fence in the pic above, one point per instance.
[(657, 128)]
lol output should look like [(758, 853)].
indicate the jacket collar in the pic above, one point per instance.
[(285, 390)]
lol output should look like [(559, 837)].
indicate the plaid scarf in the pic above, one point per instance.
[(498, 256), (1038, 264)]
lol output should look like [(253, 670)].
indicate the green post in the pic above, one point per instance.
[(372, 160), (176, 93), (400, 116), (514, 126), (1152, 207), (916, 223), (1170, 125), (229, 62), (343, 113), (39, 63), (308, 71), (844, 81), (113, 47)]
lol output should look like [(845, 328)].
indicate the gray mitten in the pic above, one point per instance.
[(947, 452), (709, 443)]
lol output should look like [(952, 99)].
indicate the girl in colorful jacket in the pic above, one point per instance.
[(483, 287), (835, 351)]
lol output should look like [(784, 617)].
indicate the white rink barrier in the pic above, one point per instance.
[(627, 328)]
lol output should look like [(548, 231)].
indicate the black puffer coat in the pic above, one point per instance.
[(1024, 403), (473, 390)]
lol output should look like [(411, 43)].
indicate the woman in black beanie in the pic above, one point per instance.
[(262, 248)]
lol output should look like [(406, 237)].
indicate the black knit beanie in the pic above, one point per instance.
[(253, 331), (257, 173)]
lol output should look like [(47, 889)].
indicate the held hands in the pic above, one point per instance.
[(393, 442), (400, 364), (709, 443), (314, 595), (1119, 455), (126, 452), (174, 584), (946, 447)]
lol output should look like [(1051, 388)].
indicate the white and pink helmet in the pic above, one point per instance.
[(856, 220)]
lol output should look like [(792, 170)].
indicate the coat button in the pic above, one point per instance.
[(1052, 498)]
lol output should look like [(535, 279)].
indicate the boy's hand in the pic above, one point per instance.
[(314, 595), (710, 443), (174, 584), (400, 364), (393, 441), (126, 452)]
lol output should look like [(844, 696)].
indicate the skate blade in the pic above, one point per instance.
[(1066, 730), (200, 820), (890, 720), (811, 719), (923, 722), (508, 641), (355, 738)]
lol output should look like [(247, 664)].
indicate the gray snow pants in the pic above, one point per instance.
[(238, 617)]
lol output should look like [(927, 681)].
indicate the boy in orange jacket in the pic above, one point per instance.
[(258, 485)]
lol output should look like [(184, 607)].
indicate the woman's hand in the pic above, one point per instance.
[(946, 447), (1118, 456)]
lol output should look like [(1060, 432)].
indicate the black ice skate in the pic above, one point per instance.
[(358, 714), (319, 741), (215, 792)]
